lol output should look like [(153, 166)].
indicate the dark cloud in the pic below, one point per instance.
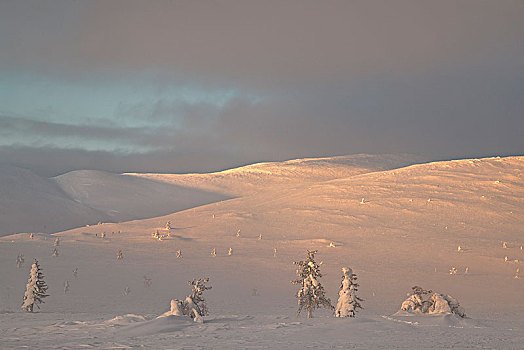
[(258, 43), (456, 113)]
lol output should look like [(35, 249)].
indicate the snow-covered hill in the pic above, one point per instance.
[(274, 176), (30, 203), (125, 197), (395, 227)]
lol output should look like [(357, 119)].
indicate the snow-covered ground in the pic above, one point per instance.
[(395, 226)]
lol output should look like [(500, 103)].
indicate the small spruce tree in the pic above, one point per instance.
[(196, 298), (20, 260), (35, 289), (348, 301), (311, 294)]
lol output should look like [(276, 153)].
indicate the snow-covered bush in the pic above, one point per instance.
[(147, 281), (311, 294), (35, 289), (20, 260), (348, 301), (427, 302), (194, 305)]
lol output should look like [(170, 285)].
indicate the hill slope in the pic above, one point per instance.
[(274, 176), (30, 203), (396, 229), (124, 197)]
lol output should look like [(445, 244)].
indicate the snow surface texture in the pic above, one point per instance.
[(406, 232)]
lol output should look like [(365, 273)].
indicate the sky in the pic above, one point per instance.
[(194, 86)]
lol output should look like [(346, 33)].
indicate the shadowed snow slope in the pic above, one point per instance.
[(29, 203), (125, 197)]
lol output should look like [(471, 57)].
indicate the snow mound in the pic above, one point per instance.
[(125, 320), (434, 320), (165, 324)]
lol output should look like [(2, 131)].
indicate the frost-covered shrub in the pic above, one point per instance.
[(348, 301), (311, 294), (194, 305), (35, 289), (20, 260), (427, 302)]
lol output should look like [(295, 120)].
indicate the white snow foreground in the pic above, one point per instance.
[(427, 302)]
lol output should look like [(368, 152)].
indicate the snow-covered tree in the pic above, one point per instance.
[(35, 289), (427, 302), (147, 281), (194, 305), (348, 301), (20, 260), (311, 294), (199, 286)]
